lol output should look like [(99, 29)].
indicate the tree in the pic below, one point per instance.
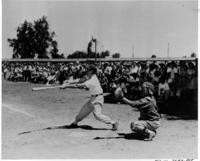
[(43, 38), (153, 56), (23, 46), (193, 55), (89, 48), (34, 39), (77, 54), (116, 55), (62, 56), (104, 54), (90, 53), (54, 51)]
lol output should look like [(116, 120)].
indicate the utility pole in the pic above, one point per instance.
[(133, 54), (168, 49), (103, 48), (95, 41)]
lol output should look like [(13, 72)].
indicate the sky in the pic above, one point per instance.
[(139, 28)]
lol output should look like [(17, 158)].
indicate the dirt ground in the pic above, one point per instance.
[(33, 128)]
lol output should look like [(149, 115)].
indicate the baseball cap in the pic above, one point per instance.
[(92, 68)]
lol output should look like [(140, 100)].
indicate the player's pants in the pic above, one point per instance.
[(142, 125), (96, 108)]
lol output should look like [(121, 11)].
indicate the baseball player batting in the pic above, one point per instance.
[(96, 101)]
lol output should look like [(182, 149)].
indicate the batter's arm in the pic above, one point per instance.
[(68, 85), (81, 85)]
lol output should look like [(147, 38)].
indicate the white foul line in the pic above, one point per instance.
[(17, 110)]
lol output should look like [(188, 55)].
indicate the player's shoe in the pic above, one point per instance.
[(115, 126), (149, 135)]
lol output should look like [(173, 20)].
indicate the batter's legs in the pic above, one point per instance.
[(84, 112)]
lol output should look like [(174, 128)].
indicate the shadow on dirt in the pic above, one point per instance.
[(172, 117), (85, 127), (128, 136)]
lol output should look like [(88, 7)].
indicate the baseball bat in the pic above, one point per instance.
[(44, 88), (51, 87)]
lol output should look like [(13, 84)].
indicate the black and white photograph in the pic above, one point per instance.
[(99, 79)]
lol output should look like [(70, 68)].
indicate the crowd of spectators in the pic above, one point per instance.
[(170, 78)]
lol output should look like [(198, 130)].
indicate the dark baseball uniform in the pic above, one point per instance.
[(149, 116)]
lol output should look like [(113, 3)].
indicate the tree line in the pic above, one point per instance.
[(36, 40)]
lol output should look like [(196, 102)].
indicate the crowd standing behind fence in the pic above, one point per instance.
[(170, 78)]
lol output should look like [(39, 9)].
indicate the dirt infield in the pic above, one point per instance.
[(33, 128)]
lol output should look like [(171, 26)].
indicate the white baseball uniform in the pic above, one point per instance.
[(95, 103)]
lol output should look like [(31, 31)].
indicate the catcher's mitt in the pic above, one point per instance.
[(119, 93)]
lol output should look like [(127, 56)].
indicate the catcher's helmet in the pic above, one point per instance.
[(149, 86)]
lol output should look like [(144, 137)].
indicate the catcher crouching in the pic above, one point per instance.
[(149, 120)]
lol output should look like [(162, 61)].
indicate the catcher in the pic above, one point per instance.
[(149, 120), (95, 103)]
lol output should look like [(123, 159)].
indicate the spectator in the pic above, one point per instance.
[(163, 90), (178, 76)]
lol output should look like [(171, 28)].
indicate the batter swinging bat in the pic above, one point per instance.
[(53, 87)]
